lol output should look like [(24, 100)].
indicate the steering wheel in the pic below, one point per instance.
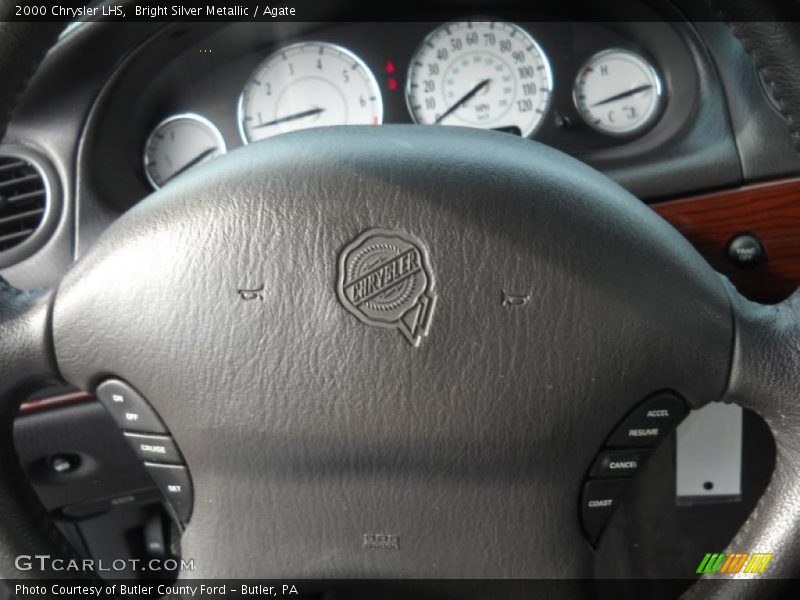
[(447, 325)]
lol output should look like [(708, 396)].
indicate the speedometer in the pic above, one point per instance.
[(310, 84), (483, 74)]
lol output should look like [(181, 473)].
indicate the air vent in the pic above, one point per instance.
[(23, 200)]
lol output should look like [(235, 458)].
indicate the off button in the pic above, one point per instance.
[(128, 408)]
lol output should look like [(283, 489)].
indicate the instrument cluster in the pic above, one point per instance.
[(483, 74)]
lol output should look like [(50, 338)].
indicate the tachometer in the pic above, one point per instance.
[(483, 74), (310, 84)]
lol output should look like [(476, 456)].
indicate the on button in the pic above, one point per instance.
[(128, 408)]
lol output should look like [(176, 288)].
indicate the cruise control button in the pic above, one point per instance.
[(154, 448), (599, 500), (176, 486), (128, 408), (619, 463), (650, 422)]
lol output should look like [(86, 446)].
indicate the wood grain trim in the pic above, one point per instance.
[(770, 211), (32, 406)]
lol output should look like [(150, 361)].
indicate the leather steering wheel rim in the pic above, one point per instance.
[(766, 350)]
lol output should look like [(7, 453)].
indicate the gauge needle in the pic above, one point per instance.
[(294, 117), (199, 158), (464, 99), (622, 95)]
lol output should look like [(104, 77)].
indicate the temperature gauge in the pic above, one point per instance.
[(618, 92)]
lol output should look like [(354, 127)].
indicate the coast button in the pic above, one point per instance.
[(598, 502)]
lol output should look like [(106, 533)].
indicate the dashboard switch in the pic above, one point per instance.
[(174, 482), (650, 422), (154, 448), (64, 463), (128, 408), (619, 463), (600, 498), (745, 251), (154, 542)]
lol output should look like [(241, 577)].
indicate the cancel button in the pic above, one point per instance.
[(619, 463)]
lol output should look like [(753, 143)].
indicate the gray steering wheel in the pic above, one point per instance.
[(379, 384)]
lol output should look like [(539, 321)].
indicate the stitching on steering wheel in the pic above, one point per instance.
[(765, 73)]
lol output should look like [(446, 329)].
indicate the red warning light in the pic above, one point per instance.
[(392, 83), (389, 68)]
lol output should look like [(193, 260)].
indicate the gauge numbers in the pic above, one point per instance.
[(310, 84), (179, 143), (618, 92), (483, 74)]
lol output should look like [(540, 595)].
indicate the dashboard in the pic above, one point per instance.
[(665, 107), (606, 92), (481, 74)]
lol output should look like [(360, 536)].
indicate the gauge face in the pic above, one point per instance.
[(618, 92), (311, 84), (179, 143), (483, 74)]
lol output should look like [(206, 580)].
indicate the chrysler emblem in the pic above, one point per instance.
[(385, 280)]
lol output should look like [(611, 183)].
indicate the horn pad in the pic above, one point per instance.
[(264, 304)]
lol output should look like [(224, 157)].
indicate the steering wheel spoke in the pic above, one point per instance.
[(26, 354), (26, 364)]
